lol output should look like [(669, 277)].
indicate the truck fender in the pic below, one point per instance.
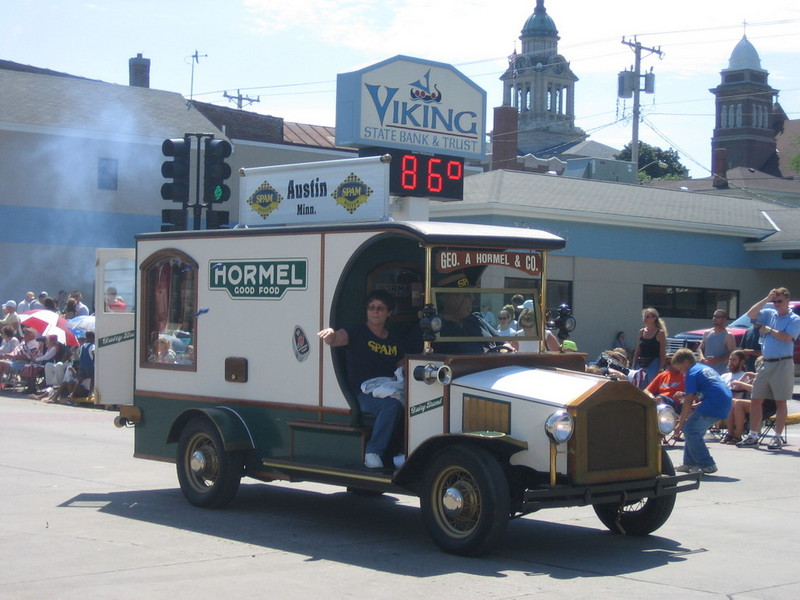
[(231, 427), (501, 445)]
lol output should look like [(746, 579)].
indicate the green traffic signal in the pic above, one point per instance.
[(216, 171)]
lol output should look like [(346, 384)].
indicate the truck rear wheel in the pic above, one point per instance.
[(209, 475), (465, 500), (642, 517)]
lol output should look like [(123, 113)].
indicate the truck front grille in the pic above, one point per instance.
[(615, 436)]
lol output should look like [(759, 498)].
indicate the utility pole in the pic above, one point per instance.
[(241, 99), (637, 48)]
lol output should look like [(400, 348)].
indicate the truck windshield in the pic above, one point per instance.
[(479, 306)]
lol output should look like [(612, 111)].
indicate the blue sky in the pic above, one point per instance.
[(289, 53)]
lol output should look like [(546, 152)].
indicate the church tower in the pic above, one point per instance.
[(744, 108), (541, 87)]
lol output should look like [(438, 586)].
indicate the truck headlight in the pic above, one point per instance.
[(667, 419), (559, 426)]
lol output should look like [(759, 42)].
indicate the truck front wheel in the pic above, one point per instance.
[(209, 475), (642, 517), (465, 500)]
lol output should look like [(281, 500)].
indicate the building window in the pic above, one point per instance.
[(689, 302), (169, 278), (107, 173)]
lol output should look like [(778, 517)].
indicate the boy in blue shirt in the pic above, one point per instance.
[(708, 400)]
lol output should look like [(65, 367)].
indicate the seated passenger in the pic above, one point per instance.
[(371, 351), (527, 324), (504, 327), (163, 352)]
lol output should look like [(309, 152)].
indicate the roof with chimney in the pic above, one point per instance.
[(36, 100), (743, 182)]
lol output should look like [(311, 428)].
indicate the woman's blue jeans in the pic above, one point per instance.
[(388, 416)]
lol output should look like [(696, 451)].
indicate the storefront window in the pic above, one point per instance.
[(689, 302)]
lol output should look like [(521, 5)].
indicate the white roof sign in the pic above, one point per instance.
[(334, 191)]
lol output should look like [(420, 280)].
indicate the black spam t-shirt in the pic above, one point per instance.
[(368, 356)]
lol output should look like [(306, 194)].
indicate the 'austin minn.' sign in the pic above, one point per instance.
[(414, 104), (332, 191)]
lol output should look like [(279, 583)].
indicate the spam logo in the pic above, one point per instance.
[(264, 200), (258, 279), (351, 193)]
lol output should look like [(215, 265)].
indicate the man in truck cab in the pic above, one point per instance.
[(459, 320), (371, 351)]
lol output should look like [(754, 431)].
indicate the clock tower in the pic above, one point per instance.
[(744, 107), (540, 85)]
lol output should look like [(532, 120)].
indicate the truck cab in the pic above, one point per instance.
[(231, 381)]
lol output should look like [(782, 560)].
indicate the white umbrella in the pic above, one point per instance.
[(83, 322)]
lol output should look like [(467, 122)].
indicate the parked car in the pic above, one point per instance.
[(692, 339)]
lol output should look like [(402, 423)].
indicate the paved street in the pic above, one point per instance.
[(80, 518)]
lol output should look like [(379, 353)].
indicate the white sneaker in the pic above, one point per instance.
[(776, 443), (373, 461), (399, 460), (751, 441)]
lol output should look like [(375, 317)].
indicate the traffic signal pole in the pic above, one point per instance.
[(197, 206)]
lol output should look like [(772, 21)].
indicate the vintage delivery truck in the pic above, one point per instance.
[(230, 379)]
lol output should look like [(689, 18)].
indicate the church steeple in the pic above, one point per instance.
[(744, 103), (540, 85)]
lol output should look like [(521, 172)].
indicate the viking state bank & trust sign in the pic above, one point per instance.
[(409, 103)]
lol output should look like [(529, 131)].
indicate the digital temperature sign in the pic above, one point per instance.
[(413, 173)]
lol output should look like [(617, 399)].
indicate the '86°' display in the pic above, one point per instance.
[(414, 173)]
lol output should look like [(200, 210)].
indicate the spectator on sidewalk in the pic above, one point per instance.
[(717, 343), (10, 316), (751, 346), (775, 376), (80, 308), (739, 382), (26, 304)]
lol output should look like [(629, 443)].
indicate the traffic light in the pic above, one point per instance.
[(176, 169), (216, 171), (217, 219), (173, 219)]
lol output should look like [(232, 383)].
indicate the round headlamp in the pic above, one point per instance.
[(559, 426), (667, 419)]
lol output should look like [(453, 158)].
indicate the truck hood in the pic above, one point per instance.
[(555, 387)]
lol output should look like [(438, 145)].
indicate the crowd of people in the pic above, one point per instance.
[(45, 366), (723, 386)]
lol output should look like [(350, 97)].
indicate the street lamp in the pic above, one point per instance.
[(661, 164)]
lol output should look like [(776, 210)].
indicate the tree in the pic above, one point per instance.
[(794, 157), (655, 163)]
